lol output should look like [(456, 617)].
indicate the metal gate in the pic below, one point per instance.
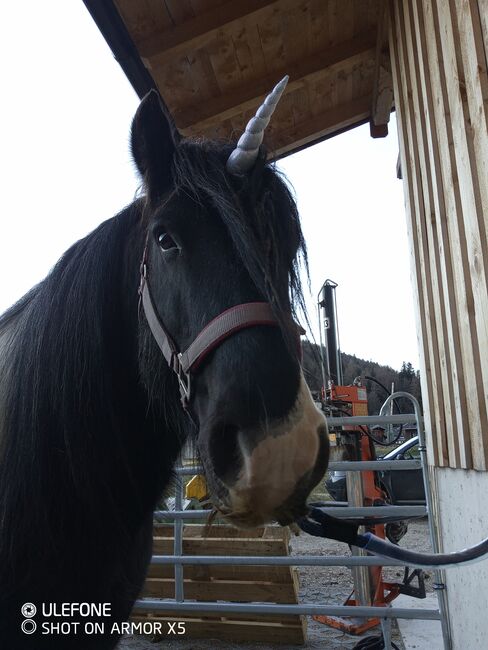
[(385, 614)]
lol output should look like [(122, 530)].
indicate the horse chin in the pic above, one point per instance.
[(283, 516), (245, 513), (251, 518)]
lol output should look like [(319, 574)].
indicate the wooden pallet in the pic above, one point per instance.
[(242, 584)]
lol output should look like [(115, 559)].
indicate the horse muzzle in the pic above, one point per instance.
[(271, 470)]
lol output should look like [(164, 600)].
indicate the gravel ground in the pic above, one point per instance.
[(320, 585)]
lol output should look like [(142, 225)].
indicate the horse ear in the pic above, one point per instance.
[(153, 141)]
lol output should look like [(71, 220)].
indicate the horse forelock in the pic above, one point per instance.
[(261, 218)]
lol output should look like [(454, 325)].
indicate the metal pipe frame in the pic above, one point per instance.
[(281, 560), (438, 574), (178, 604), (309, 610), (342, 465), (342, 512)]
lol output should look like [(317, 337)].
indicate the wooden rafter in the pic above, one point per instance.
[(194, 119), (330, 121), (383, 99), (164, 46)]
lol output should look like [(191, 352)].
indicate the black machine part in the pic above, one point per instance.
[(327, 303), (321, 524)]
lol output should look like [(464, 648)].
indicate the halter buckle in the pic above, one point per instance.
[(184, 380)]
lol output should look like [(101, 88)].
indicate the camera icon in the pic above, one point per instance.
[(28, 610), (29, 626)]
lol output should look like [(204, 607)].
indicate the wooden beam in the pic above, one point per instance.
[(326, 123), (163, 46), (233, 629), (195, 119), (234, 590), (222, 546), (383, 99)]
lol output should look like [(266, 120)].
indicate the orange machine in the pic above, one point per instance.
[(353, 400), (340, 400)]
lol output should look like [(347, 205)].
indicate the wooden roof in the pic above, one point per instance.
[(213, 61)]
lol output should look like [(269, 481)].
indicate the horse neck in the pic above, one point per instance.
[(80, 433)]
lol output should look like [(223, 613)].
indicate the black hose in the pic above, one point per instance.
[(381, 385), (321, 524), (366, 430), (375, 440), (382, 548)]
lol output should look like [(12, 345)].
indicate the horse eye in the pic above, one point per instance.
[(166, 242)]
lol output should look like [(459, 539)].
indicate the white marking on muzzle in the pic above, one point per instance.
[(272, 468)]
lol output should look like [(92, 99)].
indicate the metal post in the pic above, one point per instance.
[(322, 359), (434, 532), (386, 630), (360, 575), (327, 303), (178, 542)]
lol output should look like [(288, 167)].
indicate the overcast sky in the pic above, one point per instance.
[(66, 109)]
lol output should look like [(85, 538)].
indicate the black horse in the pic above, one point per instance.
[(90, 416)]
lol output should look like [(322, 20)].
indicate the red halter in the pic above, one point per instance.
[(217, 330)]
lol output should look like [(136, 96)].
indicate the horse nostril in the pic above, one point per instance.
[(224, 451)]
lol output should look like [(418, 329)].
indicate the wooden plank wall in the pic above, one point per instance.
[(439, 60)]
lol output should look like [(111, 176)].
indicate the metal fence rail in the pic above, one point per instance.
[(342, 465), (343, 512), (282, 560), (385, 614), (308, 610)]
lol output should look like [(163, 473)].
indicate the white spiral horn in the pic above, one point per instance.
[(245, 154)]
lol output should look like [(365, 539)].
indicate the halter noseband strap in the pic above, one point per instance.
[(217, 330)]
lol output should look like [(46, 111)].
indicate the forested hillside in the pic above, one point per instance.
[(407, 378)]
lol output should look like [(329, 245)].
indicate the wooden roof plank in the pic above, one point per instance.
[(200, 6), (195, 118), (176, 83), (203, 73), (270, 30), (294, 25), (224, 61), (337, 118), (301, 105), (318, 26), (179, 10), (163, 46), (143, 19), (249, 52)]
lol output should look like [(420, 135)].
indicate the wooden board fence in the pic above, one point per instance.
[(242, 584)]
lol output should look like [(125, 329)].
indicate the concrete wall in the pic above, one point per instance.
[(463, 508)]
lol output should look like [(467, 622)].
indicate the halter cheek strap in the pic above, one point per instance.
[(185, 363)]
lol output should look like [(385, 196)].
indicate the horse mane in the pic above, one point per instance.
[(75, 413)]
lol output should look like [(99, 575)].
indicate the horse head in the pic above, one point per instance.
[(223, 231)]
